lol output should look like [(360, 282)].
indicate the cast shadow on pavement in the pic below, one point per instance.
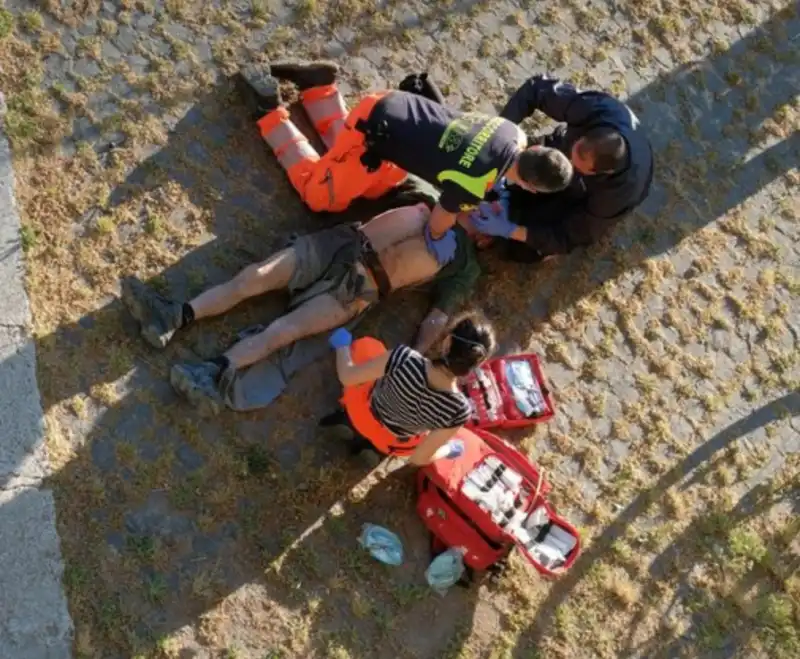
[(694, 468), (701, 129), (162, 514)]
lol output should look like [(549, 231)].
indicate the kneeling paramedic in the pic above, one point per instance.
[(387, 135), (402, 403), (610, 154)]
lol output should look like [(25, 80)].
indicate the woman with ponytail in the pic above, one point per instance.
[(403, 403)]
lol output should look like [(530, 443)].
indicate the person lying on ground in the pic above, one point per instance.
[(332, 276), (386, 135), (399, 402), (609, 151)]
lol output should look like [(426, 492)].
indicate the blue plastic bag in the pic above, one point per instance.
[(445, 570), (384, 545)]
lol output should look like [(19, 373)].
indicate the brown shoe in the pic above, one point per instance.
[(306, 74)]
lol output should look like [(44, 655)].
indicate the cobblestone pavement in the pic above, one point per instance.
[(672, 348)]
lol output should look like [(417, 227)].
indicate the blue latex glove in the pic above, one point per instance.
[(455, 449), (443, 249), (492, 220), (341, 338)]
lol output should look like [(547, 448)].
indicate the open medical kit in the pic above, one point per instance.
[(490, 500), (508, 392)]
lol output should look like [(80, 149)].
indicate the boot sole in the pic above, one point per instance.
[(258, 89), (140, 313), (183, 384), (306, 74)]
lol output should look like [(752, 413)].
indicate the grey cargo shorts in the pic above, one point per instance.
[(329, 262)]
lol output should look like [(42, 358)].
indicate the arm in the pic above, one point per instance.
[(353, 374), (453, 200), (577, 228), (441, 221), (433, 441), (431, 330), (560, 101), (559, 224), (451, 289)]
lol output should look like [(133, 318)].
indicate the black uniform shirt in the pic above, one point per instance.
[(464, 153)]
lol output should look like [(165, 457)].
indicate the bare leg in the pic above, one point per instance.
[(273, 274), (318, 315)]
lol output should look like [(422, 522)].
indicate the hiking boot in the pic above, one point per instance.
[(369, 459), (198, 384), (337, 426), (158, 316), (259, 90), (306, 74)]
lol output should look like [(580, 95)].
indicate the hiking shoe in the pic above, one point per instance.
[(337, 426), (306, 74), (198, 384), (259, 90), (158, 316)]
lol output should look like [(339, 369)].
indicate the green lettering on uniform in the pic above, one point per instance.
[(458, 128), (475, 185), (478, 142)]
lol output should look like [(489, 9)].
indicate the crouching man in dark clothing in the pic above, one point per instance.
[(610, 154)]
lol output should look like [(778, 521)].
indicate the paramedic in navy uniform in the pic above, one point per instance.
[(613, 162), (610, 153)]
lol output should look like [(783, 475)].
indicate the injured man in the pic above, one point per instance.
[(332, 276)]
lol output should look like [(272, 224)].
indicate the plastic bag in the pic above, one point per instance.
[(445, 570), (384, 545)]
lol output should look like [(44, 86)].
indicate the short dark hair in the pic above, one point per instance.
[(607, 149), (472, 343), (546, 169)]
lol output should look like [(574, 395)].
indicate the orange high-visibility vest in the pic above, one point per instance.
[(356, 402)]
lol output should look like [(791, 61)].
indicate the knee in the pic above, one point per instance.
[(245, 283), (283, 332)]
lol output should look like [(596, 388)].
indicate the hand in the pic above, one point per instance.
[(444, 248), (455, 449), (341, 338), (492, 220)]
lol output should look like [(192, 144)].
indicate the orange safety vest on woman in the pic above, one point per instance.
[(356, 401)]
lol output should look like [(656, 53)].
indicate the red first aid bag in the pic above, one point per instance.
[(491, 499)]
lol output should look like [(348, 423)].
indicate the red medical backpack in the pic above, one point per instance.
[(455, 520)]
